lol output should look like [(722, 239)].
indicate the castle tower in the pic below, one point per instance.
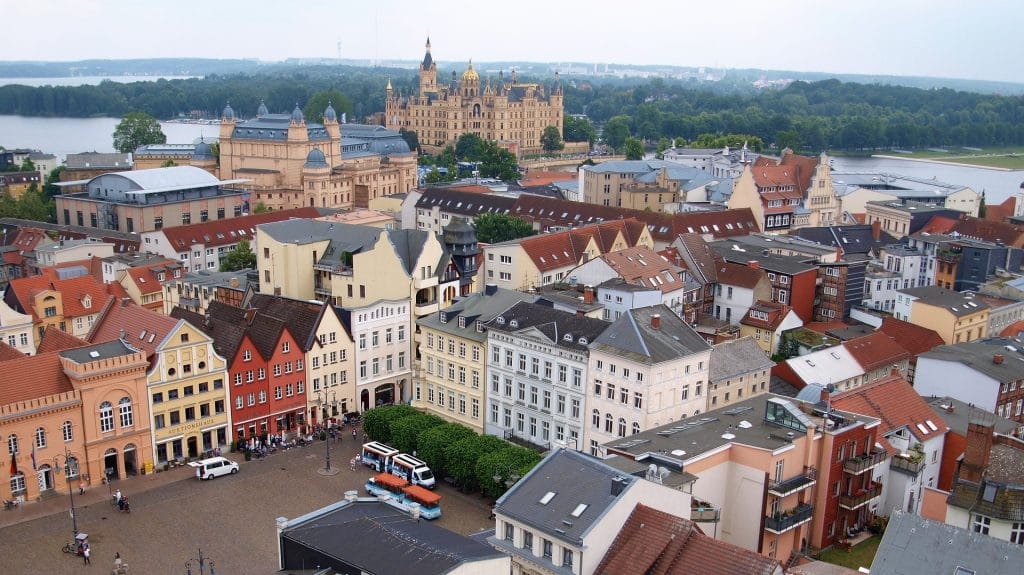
[(227, 121), (470, 82), (460, 241), (428, 73)]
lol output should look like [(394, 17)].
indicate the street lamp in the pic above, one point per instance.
[(201, 561), (68, 458), (322, 403), (508, 476)]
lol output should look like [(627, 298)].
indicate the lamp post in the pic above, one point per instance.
[(322, 403), (508, 476), (201, 561), (67, 477)]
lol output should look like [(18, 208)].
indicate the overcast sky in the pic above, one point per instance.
[(980, 39)]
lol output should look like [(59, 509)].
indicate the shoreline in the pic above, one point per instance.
[(941, 162)]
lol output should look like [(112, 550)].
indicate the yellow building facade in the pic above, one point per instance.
[(511, 113)]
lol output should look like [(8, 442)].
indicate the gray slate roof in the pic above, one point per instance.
[(477, 307), (382, 540), (978, 355), (913, 545), (175, 176), (575, 479), (632, 336), (954, 301), (960, 416), (106, 350), (94, 160), (555, 325), (737, 357)]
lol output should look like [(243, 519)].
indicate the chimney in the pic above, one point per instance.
[(876, 230), (490, 289), (978, 450), (839, 253), (125, 301), (588, 294), (618, 485), (895, 371), (997, 359), (656, 321), (234, 282), (754, 264)]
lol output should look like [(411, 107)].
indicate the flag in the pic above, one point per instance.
[(33, 457), (14, 465)]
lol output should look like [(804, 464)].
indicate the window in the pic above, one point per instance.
[(596, 419), (18, 483), (66, 431), (567, 558), (40, 437), (981, 524), (176, 417), (106, 417), (1017, 533), (510, 532), (638, 400), (547, 549), (125, 411), (609, 421), (622, 427)]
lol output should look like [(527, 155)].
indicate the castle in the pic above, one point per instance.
[(512, 113)]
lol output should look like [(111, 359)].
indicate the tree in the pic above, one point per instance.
[(434, 176), (461, 457), (27, 165), (492, 228), (260, 208), (578, 130), (616, 131), (497, 162), (315, 106), (432, 443), (33, 206), (377, 422), (8, 205), (788, 139), (137, 129), (50, 187), (508, 465), (982, 208), (634, 149), (215, 151), (405, 432), (168, 164), (659, 151), (551, 140), (240, 258), (468, 148), (411, 139)]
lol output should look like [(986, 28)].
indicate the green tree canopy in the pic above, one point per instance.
[(260, 208), (551, 140), (497, 162), (469, 148), (433, 442), (788, 139), (240, 258), (492, 228), (411, 138), (405, 432), (578, 130), (616, 131), (509, 465), (732, 140), (633, 148), (461, 457), (137, 129), (377, 422), (317, 103)]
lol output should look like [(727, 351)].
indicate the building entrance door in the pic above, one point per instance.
[(130, 465), (110, 465), (193, 447), (45, 476)]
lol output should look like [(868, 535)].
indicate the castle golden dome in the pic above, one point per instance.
[(470, 74)]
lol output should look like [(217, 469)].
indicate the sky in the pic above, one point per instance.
[(979, 39)]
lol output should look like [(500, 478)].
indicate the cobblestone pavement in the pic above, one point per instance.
[(232, 518)]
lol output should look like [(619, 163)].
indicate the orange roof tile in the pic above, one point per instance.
[(31, 377), (560, 249), (1013, 330), (771, 176), (971, 227), (876, 350), (219, 232), (803, 167), (739, 275), (7, 352), (140, 327), (534, 179), (57, 340), (640, 265), (892, 400), (75, 293), (146, 279), (1001, 212), (913, 338)]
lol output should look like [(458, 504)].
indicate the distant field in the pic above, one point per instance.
[(1008, 162), (988, 157)]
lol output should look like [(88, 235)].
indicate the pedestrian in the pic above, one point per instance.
[(353, 434), (117, 561), (81, 487), (117, 497), (120, 501), (85, 555), (352, 464)]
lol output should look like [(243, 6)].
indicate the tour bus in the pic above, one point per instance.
[(386, 484), (377, 455), (429, 503), (412, 470)]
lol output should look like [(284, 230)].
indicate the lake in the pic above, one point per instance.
[(86, 80), (63, 136), (997, 184)]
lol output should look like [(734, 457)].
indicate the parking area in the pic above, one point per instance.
[(232, 518)]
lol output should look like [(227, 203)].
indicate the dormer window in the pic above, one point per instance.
[(443, 316), (500, 320), (582, 341), (87, 302), (513, 323), (462, 321), (567, 337), (480, 326)]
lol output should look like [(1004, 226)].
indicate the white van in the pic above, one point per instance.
[(412, 470), (214, 467)]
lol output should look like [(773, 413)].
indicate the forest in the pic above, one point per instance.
[(812, 116)]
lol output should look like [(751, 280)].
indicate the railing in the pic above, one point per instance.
[(861, 463), (793, 518), (858, 500), (704, 512), (907, 464), (794, 484)]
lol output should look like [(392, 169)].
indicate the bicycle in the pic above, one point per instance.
[(70, 548)]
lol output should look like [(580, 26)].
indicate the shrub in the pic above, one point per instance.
[(461, 457), (377, 421), (433, 442), (504, 463), (405, 432)]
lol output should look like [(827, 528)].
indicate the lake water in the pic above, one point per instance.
[(997, 184), (86, 80), (63, 136)]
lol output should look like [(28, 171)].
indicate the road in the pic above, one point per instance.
[(232, 519)]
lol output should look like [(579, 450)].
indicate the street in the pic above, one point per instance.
[(231, 518)]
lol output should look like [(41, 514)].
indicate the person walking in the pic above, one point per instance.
[(85, 555), (117, 561), (81, 487)]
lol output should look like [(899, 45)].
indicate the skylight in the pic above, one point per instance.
[(931, 425), (579, 509), (94, 354), (922, 428), (547, 498)]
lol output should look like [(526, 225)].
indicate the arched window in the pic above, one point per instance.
[(608, 423), (106, 417), (597, 419), (71, 467), (40, 438), (124, 408), (65, 429), (636, 428), (12, 444), (622, 427)]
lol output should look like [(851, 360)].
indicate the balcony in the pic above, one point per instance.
[(862, 463), (909, 465), (704, 512), (787, 487), (338, 269), (861, 498), (786, 520)]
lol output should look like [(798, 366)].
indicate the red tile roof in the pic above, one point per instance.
[(913, 338), (803, 166), (75, 292), (776, 313), (641, 265), (93, 264), (7, 352), (141, 328), (219, 232), (893, 400), (739, 275), (57, 340), (773, 176), (876, 350), (1001, 212), (1013, 330), (701, 260), (971, 227), (560, 249), (31, 377), (653, 542), (146, 279), (534, 179)]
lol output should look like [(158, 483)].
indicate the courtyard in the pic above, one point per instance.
[(232, 518)]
